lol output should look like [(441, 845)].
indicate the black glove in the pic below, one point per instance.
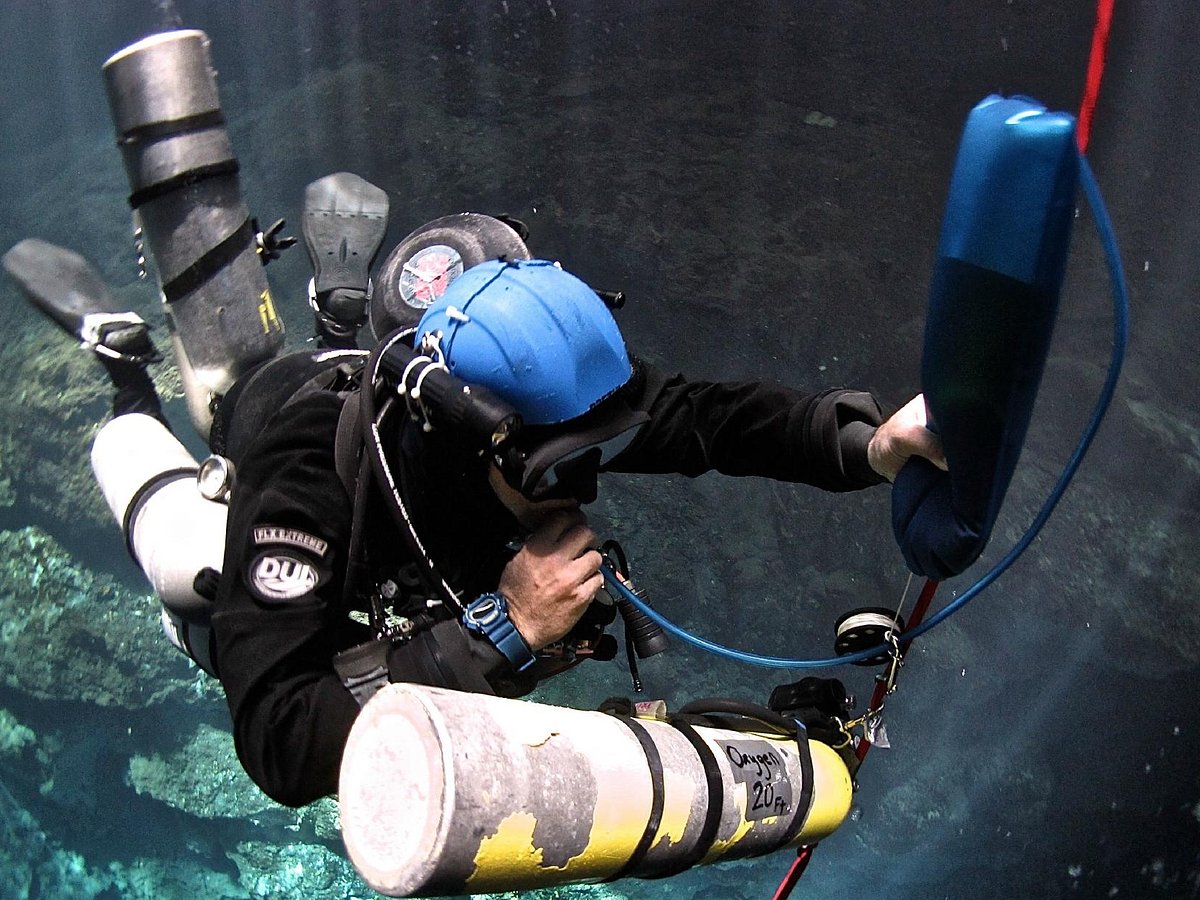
[(270, 243)]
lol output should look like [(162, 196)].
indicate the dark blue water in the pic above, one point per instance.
[(765, 182)]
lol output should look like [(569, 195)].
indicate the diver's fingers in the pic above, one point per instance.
[(902, 436)]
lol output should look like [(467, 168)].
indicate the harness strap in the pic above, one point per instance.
[(348, 445), (363, 669)]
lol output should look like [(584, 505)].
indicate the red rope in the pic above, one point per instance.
[(803, 855), (1095, 72), (918, 615)]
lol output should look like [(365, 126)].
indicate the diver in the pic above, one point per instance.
[(490, 582), (414, 513)]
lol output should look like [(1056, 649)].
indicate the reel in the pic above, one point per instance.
[(864, 628)]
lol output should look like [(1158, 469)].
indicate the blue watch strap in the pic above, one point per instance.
[(487, 615)]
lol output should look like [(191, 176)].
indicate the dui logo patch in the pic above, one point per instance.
[(277, 576)]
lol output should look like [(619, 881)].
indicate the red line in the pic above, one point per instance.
[(799, 864), (918, 615), (1095, 72)]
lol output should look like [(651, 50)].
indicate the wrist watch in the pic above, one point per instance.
[(487, 615)]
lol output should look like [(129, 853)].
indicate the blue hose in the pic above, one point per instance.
[(1120, 340)]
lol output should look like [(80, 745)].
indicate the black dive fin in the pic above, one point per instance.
[(345, 218), (63, 286)]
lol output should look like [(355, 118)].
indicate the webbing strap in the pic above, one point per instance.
[(804, 803), (142, 495), (155, 131), (363, 669)]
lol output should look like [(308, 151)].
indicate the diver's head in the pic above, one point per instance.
[(546, 344)]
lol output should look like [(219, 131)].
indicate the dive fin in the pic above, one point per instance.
[(63, 286), (345, 219)]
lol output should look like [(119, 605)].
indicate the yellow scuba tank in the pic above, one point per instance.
[(443, 793)]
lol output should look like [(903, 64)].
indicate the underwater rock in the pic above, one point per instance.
[(7, 495), (57, 403), (296, 870), (70, 634), (14, 736), (203, 778), (51, 414), (154, 878), (33, 865), (323, 818)]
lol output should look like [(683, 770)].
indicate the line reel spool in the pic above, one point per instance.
[(864, 628)]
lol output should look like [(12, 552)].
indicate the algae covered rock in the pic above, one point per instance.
[(69, 634), (296, 870), (58, 399), (14, 737), (49, 417), (202, 778)]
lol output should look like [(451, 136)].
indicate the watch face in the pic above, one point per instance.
[(214, 478), (425, 277)]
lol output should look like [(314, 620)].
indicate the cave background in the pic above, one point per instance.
[(765, 181)]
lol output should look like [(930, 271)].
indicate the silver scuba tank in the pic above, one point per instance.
[(183, 177)]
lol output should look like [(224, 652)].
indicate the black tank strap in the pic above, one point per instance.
[(363, 669), (184, 179), (735, 715), (716, 798), (142, 495), (804, 802), (156, 131), (210, 263), (654, 822)]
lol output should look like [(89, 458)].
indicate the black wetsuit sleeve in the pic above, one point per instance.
[(752, 428), (279, 621), (276, 633)]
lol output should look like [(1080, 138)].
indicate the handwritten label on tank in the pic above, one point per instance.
[(761, 767)]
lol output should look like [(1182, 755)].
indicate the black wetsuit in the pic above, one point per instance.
[(279, 617)]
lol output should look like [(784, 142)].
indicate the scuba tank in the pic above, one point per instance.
[(185, 195), (150, 482), (443, 792)]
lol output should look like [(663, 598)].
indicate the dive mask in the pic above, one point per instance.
[(547, 463)]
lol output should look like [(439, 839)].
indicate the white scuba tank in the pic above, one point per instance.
[(173, 532)]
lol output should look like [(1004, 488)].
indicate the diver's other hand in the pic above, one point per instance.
[(553, 578), (271, 243), (902, 436)]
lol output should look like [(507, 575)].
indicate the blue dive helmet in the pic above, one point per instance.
[(535, 335)]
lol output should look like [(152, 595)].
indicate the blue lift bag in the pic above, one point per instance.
[(993, 301)]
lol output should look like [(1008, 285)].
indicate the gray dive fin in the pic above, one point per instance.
[(63, 286), (345, 218)]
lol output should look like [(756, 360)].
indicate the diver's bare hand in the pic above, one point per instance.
[(552, 579), (902, 436)]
